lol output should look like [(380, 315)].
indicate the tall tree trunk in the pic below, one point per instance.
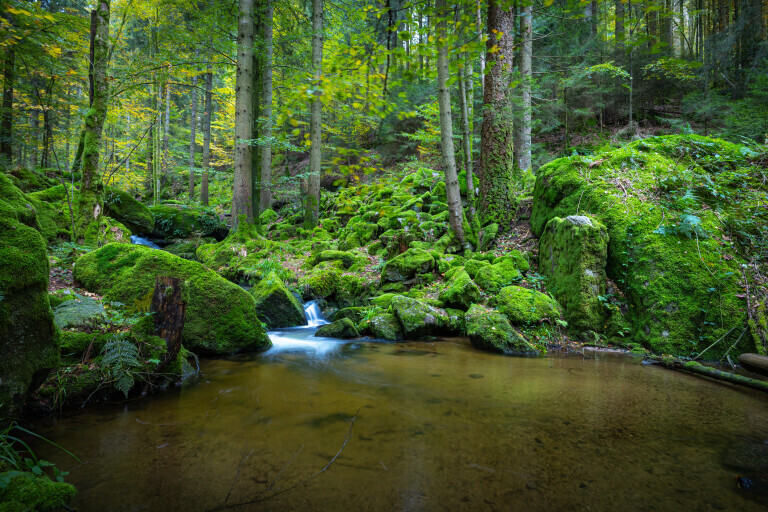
[(241, 194), (619, 27), (496, 138), (6, 123), (90, 201), (167, 132), (193, 138), (207, 135), (479, 13), (315, 126), (465, 75), (67, 123), (455, 210), (256, 91), (523, 148), (34, 124), (265, 195)]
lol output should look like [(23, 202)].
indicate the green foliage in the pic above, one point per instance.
[(121, 361), (80, 312)]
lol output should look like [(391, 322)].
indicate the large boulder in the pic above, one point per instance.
[(407, 266), (418, 318), (386, 327), (460, 291), (523, 306), (220, 317), (275, 304), (342, 329), (122, 207), (572, 255), (672, 207), (490, 330), (495, 277), (29, 340), (181, 221)]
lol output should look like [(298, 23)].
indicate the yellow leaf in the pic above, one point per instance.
[(294, 122)]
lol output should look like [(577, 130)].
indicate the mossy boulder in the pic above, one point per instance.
[(494, 277), (572, 255), (220, 317), (122, 207), (28, 180), (356, 314), (341, 329), (17, 204), (460, 291), (347, 258), (473, 267), (407, 265), (418, 318), (490, 330), (268, 216), (105, 230), (672, 207), (386, 327), (321, 282), (25, 492), (526, 306), (180, 221), (275, 304), (29, 340)]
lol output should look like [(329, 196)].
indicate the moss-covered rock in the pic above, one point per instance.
[(456, 323), (28, 180), (386, 327), (321, 282), (490, 330), (494, 277), (275, 304), (25, 492), (572, 254), (460, 291), (473, 266), (122, 207), (525, 306), (341, 329), (180, 221), (105, 230), (356, 314), (268, 216), (407, 266), (29, 340), (220, 317), (418, 318), (347, 258), (669, 205)]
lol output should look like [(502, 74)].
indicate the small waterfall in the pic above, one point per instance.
[(314, 315), (137, 240)]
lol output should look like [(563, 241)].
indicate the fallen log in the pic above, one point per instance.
[(700, 369), (754, 363)]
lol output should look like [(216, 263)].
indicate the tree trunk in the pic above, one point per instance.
[(479, 13), (265, 196), (241, 194), (90, 202), (34, 123), (167, 132), (168, 310), (207, 135), (526, 71), (465, 75), (619, 29), (313, 181), (193, 138), (455, 210), (256, 91), (6, 123), (496, 138)]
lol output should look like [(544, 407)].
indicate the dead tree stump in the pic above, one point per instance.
[(168, 309)]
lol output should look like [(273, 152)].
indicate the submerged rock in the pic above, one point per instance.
[(572, 254), (220, 317), (275, 304), (490, 330), (342, 329)]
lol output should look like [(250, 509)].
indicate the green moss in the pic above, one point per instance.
[(352, 290), (321, 282), (473, 267), (516, 257), (268, 216), (75, 343), (342, 329), (28, 180), (220, 316), (356, 314), (490, 330), (494, 277), (277, 306), (346, 258), (525, 306), (105, 231), (386, 327), (26, 492), (456, 322), (407, 266), (417, 318), (184, 221), (460, 291), (122, 207)]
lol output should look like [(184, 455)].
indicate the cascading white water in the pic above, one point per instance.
[(313, 314), (137, 240), (303, 339)]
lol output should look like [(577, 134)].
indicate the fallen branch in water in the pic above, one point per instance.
[(237, 475), (700, 369)]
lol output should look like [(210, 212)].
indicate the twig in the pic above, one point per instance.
[(734, 344), (346, 440), (237, 475), (277, 477), (715, 343)]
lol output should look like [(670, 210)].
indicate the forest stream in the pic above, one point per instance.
[(434, 425)]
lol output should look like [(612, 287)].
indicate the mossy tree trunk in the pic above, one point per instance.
[(496, 138), (91, 201), (313, 181), (207, 135), (241, 194), (6, 123), (265, 192), (257, 101)]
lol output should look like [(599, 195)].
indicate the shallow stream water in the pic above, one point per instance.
[(434, 426)]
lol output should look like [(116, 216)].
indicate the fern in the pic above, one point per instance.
[(80, 311), (120, 358)]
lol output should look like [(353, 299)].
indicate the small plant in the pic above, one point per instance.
[(121, 359)]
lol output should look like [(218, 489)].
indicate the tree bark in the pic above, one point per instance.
[(526, 57), (34, 123), (168, 310), (256, 91), (6, 123), (496, 138), (455, 210), (465, 76), (167, 133), (207, 135), (265, 196), (315, 127), (193, 138), (241, 194), (90, 202)]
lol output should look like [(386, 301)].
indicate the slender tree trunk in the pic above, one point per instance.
[(6, 123), (526, 71), (466, 137), (241, 194), (34, 123), (265, 195), (315, 136), (455, 210), (67, 123), (619, 29), (167, 132), (193, 138), (496, 139), (90, 201), (256, 91), (207, 135), (479, 12)]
